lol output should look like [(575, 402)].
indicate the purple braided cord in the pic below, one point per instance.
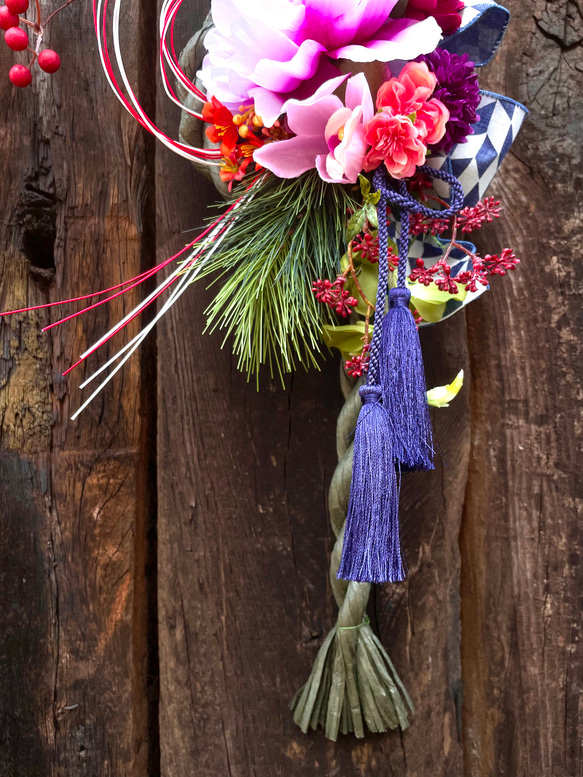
[(373, 363)]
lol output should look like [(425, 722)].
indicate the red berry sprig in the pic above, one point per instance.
[(17, 39), (335, 295)]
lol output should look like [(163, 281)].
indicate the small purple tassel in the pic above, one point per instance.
[(371, 552), (403, 382)]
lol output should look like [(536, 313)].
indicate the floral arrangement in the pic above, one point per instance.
[(355, 147)]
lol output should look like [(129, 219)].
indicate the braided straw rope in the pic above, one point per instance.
[(353, 681)]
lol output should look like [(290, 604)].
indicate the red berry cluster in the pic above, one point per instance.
[(440, 273), (473, 218), (421, 225), (335, 295), (467, 220), (17, 39), (358, 365), (367, 247)]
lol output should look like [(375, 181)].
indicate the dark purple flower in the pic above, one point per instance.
[(458, 89)]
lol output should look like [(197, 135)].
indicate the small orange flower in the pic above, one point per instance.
[(223, 129)]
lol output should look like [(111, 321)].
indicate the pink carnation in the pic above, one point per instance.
[(408, 120), (407, 93), (395, 141)]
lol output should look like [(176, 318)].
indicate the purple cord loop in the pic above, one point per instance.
[(396, 193)]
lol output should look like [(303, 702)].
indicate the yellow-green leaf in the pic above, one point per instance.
[(347, 338), (441, 396)]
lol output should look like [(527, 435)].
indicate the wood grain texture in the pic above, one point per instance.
[(486, 631), (521, 538), (73, 173)]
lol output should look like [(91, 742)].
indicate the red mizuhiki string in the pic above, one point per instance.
[(133, 106), (130, 284), (138, 312)]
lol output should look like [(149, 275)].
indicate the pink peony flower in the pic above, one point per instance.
[(329, 134), (270, 52), (395, 141)]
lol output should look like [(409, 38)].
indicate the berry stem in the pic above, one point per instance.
[(354, 277), (58, 10), (452, 240), (463, 248), (34, 56)]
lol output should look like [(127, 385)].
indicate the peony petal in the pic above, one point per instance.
[(268, 105), (398, 39), (287, 76), (278, 14), (291, 158), (337, 22)]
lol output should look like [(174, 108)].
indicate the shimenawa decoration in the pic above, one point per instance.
[(354, 148)]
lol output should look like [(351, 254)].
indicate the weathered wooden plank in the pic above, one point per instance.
[(72, 202), (244, 546), (521, 540)]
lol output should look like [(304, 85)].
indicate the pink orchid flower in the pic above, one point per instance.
[(329, 134)]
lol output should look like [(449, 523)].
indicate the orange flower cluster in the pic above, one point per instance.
[(238, 135)]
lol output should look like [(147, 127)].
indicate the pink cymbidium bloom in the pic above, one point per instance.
[(329, 134)]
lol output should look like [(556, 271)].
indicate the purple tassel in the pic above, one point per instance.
[(371, 552), (403, 382)]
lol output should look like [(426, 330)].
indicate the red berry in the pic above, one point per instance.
[(7, 19), (49, 61), (16, 39), (17, 6), (20, 75)]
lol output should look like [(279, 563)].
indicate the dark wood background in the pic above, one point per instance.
[(163, 560)]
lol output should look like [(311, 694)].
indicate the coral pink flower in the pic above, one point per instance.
[(408, 120), (407, 93), (395, 141), (431, 120)]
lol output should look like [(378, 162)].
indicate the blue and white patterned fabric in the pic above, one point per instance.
[(482, 29), (475, 162)]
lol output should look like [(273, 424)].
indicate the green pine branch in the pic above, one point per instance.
[(289, 234)]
